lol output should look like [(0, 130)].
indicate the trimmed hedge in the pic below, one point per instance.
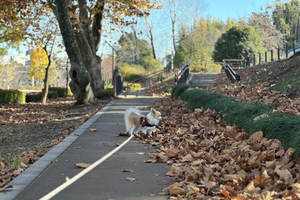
[(52, 95), (60, 90), (11, 96), (104, 94), (281, 126), (35, 97)]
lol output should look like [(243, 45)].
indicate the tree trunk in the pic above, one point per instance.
[(136, 47), (81, 79), (152, 44), (45, 91)]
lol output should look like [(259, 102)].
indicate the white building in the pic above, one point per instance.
[(24, 59)]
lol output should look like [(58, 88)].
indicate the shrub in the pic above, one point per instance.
[(215, 68), (11, 96), (246, 116), (149, 63), (132, 72), (60, 90), (197, 68), (104, 94), (167, 88), (52, 95), (134, 86), (109, 87), (178, 90), (33, 97)]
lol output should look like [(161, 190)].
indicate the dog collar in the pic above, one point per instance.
[(144, 122)]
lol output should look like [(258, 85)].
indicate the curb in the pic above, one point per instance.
[(31, 173)]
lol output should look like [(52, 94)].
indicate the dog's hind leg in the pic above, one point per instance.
[(132, 130)]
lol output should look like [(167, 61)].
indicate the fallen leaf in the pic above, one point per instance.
[(93, 129), (192, 190), (175, 189), (130, 179), (82, 165), (126, 170)]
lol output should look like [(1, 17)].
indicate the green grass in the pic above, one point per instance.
[(280, 126)]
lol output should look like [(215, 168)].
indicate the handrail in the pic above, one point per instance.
[(234, 77), (149, 75), (182, 72)]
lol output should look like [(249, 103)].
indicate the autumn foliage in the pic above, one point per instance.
[(39, 61)]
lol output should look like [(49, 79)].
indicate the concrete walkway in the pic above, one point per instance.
[(204, 79), (107, 181)]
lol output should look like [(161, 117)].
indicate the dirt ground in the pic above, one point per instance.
[(39, 127)]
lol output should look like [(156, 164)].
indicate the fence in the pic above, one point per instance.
[(271, 56)]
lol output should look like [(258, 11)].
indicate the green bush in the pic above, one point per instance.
[(167, 88), (178, 90), (60, 90), (11, 96), (33, 97), (109, 87), (246, 116), (197, 68), (131, 72), (149, 63), (134, 86), (52, 95), (104, 94)]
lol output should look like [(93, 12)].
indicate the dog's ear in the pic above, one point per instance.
[(153, 112)]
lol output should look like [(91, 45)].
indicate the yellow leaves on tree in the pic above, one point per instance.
[(6, 73), (39, 61)]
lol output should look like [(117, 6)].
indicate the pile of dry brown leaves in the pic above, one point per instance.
[(211, 160), (257, 93)]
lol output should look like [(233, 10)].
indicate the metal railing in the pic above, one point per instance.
[(183, 73), (232, 75)]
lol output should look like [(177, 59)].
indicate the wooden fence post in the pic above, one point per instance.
[(244, 63), (286, 51), (272, 59), (254, 60), (294, 48), (266, 56), (259, 55), (278, 53), (249, 61)]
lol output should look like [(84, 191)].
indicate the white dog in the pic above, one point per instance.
[(136, 122)]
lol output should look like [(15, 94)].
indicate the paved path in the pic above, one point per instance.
[(204, 79), (107, 181)]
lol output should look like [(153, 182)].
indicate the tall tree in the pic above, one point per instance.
[(272, 38), (127, 53), (80, 23), (82, 43), (239, 42), (285, 16)]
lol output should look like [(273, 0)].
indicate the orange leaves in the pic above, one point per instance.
[(212, 160)]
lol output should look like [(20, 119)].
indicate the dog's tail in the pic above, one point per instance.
[(126, 116)]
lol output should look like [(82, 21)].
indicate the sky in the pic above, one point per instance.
[(234, 8), (221, 9)]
